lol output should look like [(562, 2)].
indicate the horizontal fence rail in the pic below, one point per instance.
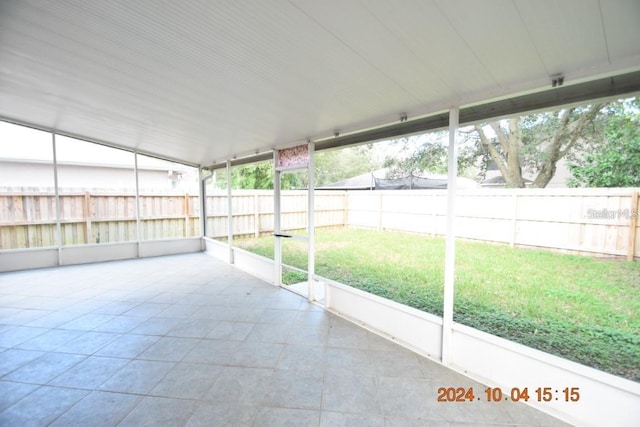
[(597, 222)]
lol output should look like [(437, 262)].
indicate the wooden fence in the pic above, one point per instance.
[(28, 218), (600, 222), (594, 221), (253, 211)]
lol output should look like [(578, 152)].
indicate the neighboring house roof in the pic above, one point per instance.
[(366, 181), (499, 180), (174, 168)]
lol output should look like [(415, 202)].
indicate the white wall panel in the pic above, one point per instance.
[(28, 259), (604, 399), (83, 254), (170, 247)]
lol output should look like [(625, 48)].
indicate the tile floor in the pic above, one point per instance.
[(188, 340)]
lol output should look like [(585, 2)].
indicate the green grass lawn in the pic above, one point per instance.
[(577, 307)]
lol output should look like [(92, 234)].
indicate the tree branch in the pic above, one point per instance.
[(567, 131), (495, 155), (502, 139), (585, 119)]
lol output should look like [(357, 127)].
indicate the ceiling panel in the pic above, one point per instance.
[(495, 39), (387, 56), (203, 81), (565, 35), (441, 55), (621, 21)]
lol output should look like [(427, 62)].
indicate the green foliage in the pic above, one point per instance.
[(258, 176), (616, 161), (605, 348), (538, 131), (417, 155), (291, 277), (336, 165), (330, 166)]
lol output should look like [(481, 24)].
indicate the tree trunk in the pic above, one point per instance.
[(513, 155), (509, 163)]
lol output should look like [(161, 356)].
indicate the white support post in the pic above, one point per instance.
[(57, 198), (229, 213), (138, 224), (277, 249), (202, 194), (256, 215), (311, 224), (450, 248)]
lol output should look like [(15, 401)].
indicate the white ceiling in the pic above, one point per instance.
[(205, 80)]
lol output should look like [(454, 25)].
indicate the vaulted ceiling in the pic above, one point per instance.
[(204, 81)]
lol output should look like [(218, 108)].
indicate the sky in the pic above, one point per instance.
[(19, 142)]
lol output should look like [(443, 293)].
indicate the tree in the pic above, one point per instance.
[(536, 143), (616, 161)]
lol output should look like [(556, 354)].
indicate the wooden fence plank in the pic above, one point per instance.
[(87, 216), (633, 223)]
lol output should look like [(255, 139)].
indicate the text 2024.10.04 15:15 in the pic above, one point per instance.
[(516, 394)]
